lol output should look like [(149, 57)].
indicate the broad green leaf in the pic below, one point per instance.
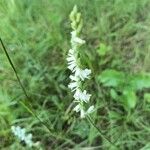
[(129, 99), (112, 78), (113, 94), (138, 82)]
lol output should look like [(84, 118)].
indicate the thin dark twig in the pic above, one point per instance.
[(22, 87), (14, 69), (100, 132)]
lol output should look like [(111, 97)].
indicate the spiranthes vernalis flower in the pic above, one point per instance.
[(23, 136), (81, 97)]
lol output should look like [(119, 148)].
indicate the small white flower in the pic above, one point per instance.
[(90, 110), (71, 52), (73, 34), (82, 113), (79, 41), (76, 40), (83, 74), (77, 94), (28, 140), (77, 108), (21, 134), (72, 66), (82, 96), (72, 62), (71, 59), (74, 78), (85, 96), (73, 85)]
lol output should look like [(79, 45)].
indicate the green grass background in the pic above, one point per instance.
[(37, 36)]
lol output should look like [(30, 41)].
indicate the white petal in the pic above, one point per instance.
[(22, 134), (73, 85), (72, 62), (71, 51), (82, 96), (90, 110), (78, 72), (78, 40), (83, 74), (71, 58), (74, 78), (73, 33), (82, 113), (77, 95), (72, 66), (77, 108), (86, 72), (28, 140), (86, 96)]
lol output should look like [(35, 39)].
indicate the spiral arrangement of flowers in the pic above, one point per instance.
[(78, 76)]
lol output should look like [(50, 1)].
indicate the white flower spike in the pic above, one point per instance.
[(78, 74), (22, 136)]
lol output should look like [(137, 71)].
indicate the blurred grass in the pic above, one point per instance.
[(37, 36)]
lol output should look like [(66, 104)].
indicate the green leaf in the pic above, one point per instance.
[(113, 94), (111, 78), (92, 134), (81, 128), (129, 99), (138, 82), (147, 97), (114, 115), (103, 49)]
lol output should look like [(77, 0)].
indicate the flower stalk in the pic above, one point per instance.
[(79, 75)]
